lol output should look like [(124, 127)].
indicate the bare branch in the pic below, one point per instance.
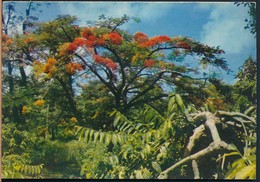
[(216, 145), (211, 120), (233, 114), (196, 135), (195, 169)]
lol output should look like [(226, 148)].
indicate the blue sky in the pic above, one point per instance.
[(215, 24)]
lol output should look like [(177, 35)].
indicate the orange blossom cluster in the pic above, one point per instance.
[(71, 68), (149, 63), (50, 67), (89, 39), (105, 61)]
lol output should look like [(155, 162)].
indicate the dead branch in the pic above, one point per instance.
[(216, 145), (197, 132), (234, 114), (210, 121), (195, 169)]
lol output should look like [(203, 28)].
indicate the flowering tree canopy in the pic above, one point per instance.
[(129, 65)]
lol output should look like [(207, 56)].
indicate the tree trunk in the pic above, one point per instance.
[(70, 98), (10, 78), (23, 75)]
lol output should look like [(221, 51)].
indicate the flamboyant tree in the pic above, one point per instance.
[(131, 66)]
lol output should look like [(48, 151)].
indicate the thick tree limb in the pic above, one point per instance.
[(233, 114), (196, 135), (195, 169), (216, 145), (211, 120)]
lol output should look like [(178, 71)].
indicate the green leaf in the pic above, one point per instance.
[(138, 126), (86, 136), (156, 167), (180, 102), (123, 126), (96, 135), (171, 105), (101, 136), (91, 133), (116, 120), (126, 128), (78, 129), (125, 154), (138, 174), (108, 138), (120, 139), (245, 172), (114, 139)]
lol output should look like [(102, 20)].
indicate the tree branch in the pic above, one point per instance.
[(150, 99), (233, 114), (216, 145), (195, 169), (133, 78), (196, 135), (147, 89), (99, 76), (119, 23), (211, 120), (121, 68)]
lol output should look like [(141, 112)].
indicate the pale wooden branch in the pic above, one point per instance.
[(211, 120), (216, 145), (234, 114), (197, 132), (195, 169), (234, 124)]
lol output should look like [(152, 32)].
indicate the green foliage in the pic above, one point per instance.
[(96, 161), (15, 166), (123, 122), (244, 167), (138, 141), (251, 22), (246, 84), (95, 103)]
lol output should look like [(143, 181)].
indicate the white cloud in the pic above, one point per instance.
[(225, 28), (90, 11)]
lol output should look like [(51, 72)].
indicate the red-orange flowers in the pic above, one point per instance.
[(87, 32), (114, 38), (72, 47), (29, 40), (105, 61), (7, 41), (155, 41), (63, 48), (71, 68), (149, 63), (140, 37), (100, 41), (79, 41)]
